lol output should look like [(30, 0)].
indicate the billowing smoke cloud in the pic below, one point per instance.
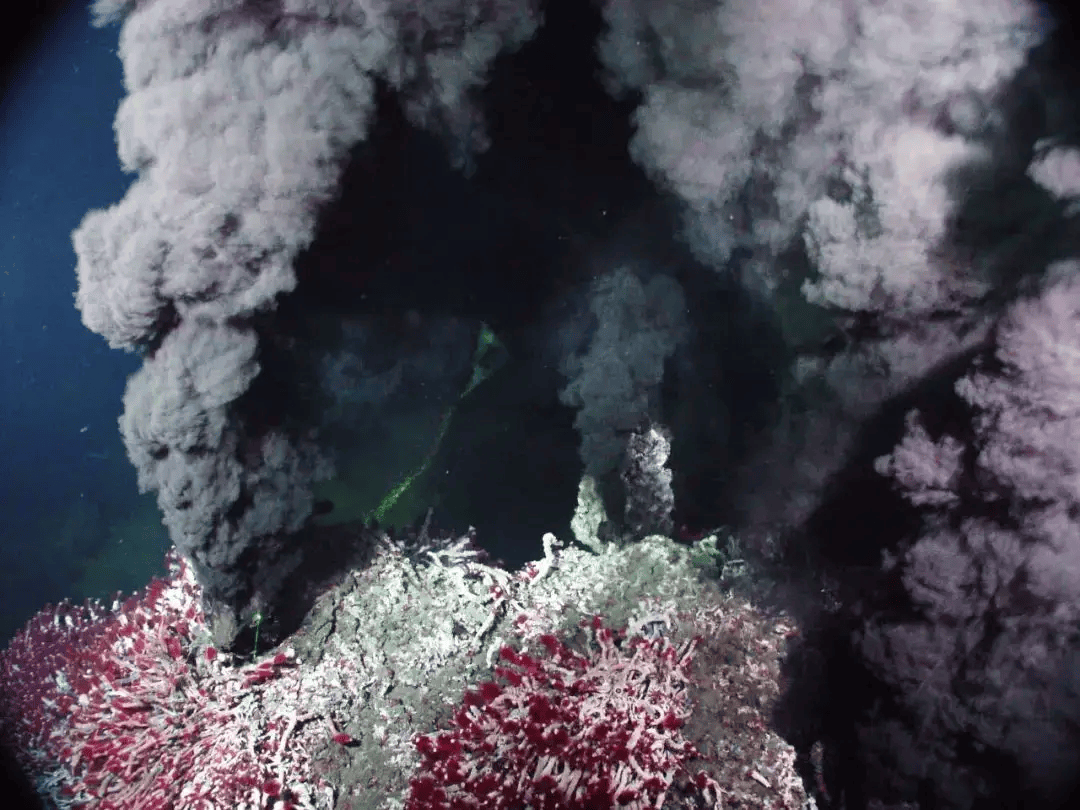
[(832, 123), (815, 147), (890, 178), (238, 120), (991, 655), (847, 162)]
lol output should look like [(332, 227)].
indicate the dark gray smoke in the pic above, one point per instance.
[(614, 379), (238, 120)]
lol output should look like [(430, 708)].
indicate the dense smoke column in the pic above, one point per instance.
[(613, 376), (239, 119)]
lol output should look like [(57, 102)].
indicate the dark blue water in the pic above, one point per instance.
[(66, 488)]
